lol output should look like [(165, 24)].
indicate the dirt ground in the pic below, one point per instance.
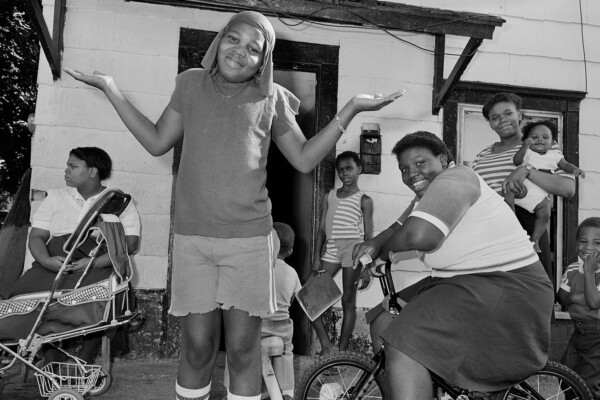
[(132, 380)]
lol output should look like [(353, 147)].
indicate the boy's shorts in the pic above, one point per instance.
[(535, 195), (339, 251), (215, 273)]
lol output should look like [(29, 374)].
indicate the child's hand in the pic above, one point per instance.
[(591, 262), (578, 173), (528, 142), (97, 79), (370, 102), (316, 267)]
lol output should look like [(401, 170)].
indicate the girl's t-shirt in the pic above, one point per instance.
[(482, 234), (221, 182)]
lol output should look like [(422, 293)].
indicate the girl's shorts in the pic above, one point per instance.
[(216, 273), (339, 251)]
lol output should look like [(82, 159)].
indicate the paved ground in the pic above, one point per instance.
[(132, 380)]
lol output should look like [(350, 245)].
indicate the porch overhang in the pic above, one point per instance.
[(385, 15), (390, 16)]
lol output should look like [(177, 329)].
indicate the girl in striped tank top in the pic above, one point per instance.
[(346, 219)]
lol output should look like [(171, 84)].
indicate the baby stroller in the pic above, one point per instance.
[(30, 321)]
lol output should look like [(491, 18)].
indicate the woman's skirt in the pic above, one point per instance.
[(482, 332)]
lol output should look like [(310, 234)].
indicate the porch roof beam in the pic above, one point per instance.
[(385, 15), (441, 93)]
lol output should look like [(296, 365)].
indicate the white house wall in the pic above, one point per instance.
[(538, 46)]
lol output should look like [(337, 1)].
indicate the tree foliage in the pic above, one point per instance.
[(19, 55)]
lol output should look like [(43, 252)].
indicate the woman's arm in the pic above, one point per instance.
[(415, 234), (372, 247), (554, 184), (104, 259), (157, 138), (37, 246), (304, 154)]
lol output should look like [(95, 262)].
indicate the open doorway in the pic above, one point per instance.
[(310, 71)]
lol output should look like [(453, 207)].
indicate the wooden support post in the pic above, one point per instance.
[(438, 67), (462, 63), (52, 45)]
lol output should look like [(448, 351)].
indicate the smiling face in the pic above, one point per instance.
[(504, 119), (588, 241), (348, 171), (240, 54), (419, 167), (78, 173), (542, 139)]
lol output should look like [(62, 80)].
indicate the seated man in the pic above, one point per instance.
[(58, 217)]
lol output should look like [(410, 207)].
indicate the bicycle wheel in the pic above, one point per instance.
[(338, 376), (555, 381)]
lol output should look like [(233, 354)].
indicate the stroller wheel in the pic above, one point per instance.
[(102, 383), (66, 394)]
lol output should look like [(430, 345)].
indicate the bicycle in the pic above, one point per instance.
[(352, 376)]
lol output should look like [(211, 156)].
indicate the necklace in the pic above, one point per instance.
[(231, 95)]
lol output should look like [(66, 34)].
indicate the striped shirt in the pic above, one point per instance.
[(573, 278), (344, 218), (494, 168)]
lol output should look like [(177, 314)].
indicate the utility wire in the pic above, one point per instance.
[(371, 23)]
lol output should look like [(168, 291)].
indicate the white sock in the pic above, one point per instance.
[(231, 396), (182, 393)]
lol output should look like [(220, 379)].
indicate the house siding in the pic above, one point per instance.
[(539, 45)]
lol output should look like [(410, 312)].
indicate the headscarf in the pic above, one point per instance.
[(264, 76)]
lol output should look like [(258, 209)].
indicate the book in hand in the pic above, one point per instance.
[(318, 294)]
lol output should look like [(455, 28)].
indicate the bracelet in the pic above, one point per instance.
[(339, 122)]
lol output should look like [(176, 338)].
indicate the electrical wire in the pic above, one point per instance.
[(366, 20), (583, 47)]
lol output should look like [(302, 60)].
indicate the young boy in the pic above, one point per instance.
[(346, 219), (279, 323), (537, 152), (580, 293)]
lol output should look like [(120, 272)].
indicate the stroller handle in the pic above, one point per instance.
[(114, 201)]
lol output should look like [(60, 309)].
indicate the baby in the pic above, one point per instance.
[(539, 151)]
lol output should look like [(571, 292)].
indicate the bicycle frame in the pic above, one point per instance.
[(388, 289)]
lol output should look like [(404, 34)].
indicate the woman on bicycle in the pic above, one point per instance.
[(483, 321)]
